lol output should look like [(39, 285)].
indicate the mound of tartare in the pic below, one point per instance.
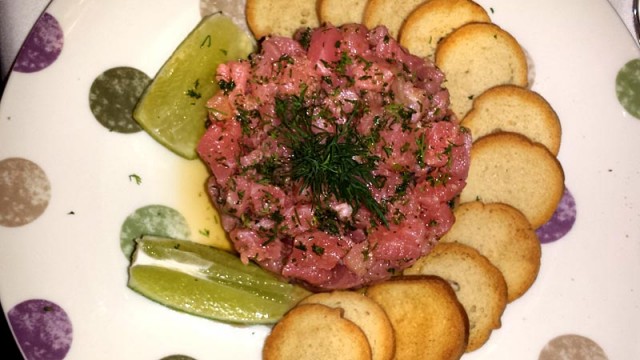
[(335, 159)]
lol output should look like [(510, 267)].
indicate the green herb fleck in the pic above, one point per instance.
[(136, 178), (319, 250), (422, 147), (305, 38), (327, 220), (193, 92), (408, 178), (207, 41), (226, 86), (341, 65)]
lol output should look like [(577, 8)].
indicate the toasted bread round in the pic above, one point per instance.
[(314, 331), (476, 57), (365, 313), (390, 13), (340, 12), (509, 168), (504, 236), (428, 320), (433, 20), (478, 284), (280, 17), (515, 109)]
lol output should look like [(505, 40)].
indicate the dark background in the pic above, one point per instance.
[(9, 348)]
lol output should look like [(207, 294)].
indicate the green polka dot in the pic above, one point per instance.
[(628, 87), (113, 96), (155, 220)]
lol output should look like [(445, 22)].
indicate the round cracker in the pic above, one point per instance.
[(340, 12), (433, 20), (428, 320), (314, 332), (390, 13), (476, 57), (280, 17), (503, 235), (515, 109), (478, 284), (365, 313), (509, 168)]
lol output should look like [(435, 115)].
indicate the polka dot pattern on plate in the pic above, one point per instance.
[(42, 329), (177, 357), (25, 192), (628, 87), (572, 347), (42, 46), (113, 96), (156, 220), (561, 222)]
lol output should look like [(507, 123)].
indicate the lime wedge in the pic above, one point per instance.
[(172, 108), (209, 282)]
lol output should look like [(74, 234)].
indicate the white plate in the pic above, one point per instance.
[(62, 270)]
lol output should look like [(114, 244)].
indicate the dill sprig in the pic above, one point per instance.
[(328, 163)]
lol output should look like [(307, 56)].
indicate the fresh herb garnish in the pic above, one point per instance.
[(329, 163)]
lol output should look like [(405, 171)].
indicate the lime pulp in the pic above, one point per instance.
[(173, 107), (209, 282)]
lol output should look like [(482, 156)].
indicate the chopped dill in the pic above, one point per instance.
[(328, 163)]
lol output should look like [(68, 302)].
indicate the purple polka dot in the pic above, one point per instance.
[(42, 328), (42, 46), (561, 222)]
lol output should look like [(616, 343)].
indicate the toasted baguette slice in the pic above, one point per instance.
[(478, 284), (428, 320), (509, 168), (280, 17), (390, 13), (433, 20), (340, 12), (476, 57), (504, 236), (515, 109), (365, 313), (314, 331)]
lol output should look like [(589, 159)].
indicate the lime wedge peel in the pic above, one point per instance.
[(209, 282), (172, 108)]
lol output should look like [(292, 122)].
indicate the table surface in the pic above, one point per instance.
[(16, 19)]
